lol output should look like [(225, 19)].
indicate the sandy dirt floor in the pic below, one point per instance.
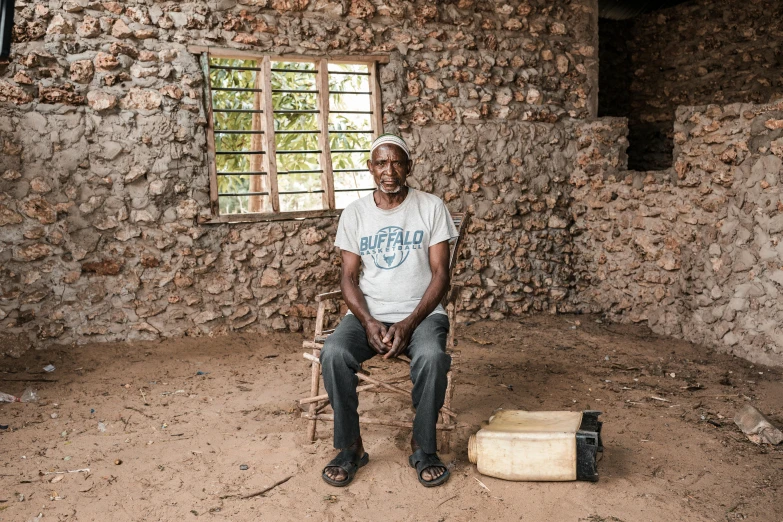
[(181, 416)]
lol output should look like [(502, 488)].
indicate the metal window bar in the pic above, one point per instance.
[(314, 171), (249, 111), (297, 132), (350, 73), (351, 170), (318, 191), (298, 151), (349, 112), (350, 92), (292, 111), (238, 132), (239, 152), (236, 89), (354, 190), (350, 131), (305, 91), (239, 194), (306, 71), (248, 173), (346, 151), (229, 68)]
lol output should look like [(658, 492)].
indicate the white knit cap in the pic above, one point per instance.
[(394, 140)]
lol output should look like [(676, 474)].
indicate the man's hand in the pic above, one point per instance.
[(399, 334), (376, 332), (398, 337)]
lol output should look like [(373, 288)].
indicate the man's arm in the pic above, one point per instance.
[(354, 298), (399, 334)]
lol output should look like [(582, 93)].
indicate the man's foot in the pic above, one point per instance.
[(431, 471), (341, 470)]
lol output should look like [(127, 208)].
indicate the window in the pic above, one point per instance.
[(289, 135)]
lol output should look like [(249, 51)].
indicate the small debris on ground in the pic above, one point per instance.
[(273, 486), (482, 342), (757, 427), (481, 484)]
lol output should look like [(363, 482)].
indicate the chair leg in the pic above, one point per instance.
[(451, 313), (445, 435), (315, 383)]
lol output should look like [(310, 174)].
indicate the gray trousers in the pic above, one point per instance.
[(347, 348)]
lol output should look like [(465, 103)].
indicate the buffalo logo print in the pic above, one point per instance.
[(391, 246)]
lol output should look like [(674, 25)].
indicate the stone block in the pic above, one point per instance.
[(89, 28), (121, 30), (32, 252), (105, 61), (361, 9), (14, 94), (101, 100), (731, 339), (59, 25), (187, 209), (774, 124), (270, 278), (312, 235), (82, 71), (103, 267), (40, 209), (743, 261), (9, 217), (206, 316), (777, 276), (144, 99)]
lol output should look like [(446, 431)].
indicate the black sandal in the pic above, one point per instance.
[(347, 461), (422, 461)]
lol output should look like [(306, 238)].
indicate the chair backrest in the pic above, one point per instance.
[(461, 221)]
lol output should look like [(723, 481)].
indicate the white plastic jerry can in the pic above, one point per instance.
[(538, 445)]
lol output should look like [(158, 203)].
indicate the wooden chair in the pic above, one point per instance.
[(317, 402)]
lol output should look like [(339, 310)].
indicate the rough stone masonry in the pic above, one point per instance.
[(103, 173), (696, 250), (104, 185), (698, 52)]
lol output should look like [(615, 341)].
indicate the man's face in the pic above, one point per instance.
[(390, 167)]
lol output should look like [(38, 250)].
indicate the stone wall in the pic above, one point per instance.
[(103, 176), (699, 52), (695, 250)]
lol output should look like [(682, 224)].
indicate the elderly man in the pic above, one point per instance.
[(397, 239)]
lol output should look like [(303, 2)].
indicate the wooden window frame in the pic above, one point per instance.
[(267, 139)]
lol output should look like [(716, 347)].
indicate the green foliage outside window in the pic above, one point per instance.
[(240, 163)]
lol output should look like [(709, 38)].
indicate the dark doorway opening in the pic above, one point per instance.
[(650, 141)]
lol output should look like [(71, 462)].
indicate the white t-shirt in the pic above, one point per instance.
[(394, 247)]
